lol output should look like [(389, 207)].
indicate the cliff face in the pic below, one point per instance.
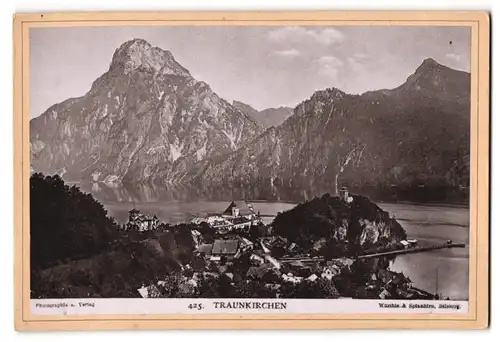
[(415, 134), (344, 227), (145, 119)]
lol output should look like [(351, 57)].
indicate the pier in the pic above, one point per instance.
[(411, 250), (376, 255)]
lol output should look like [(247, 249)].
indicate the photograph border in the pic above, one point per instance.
[(477, 317)]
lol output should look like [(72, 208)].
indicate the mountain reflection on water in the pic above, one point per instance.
[(147, 193)]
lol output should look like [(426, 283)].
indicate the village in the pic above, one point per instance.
[(242, 250)]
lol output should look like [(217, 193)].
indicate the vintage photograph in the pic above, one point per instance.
[(237, 162)]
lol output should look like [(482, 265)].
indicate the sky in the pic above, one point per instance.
[(263, 66)]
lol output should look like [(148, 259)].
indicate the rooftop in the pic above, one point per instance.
[(205, 248), (240, 220), (225, 247), (244, 207)]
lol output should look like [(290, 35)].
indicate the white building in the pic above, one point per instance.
[(141, 222), (291, 278), (240, 209), (330, 272), (405, 243), (313, 277)]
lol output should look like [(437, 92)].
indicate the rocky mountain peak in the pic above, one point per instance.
[(145, 120), (330, 93), (433, 79), (429, 68), (324, 96), (429, 63), (319, 100), (138, 54)]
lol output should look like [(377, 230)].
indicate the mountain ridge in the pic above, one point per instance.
[(374, 139), (267, 117), (148, 120)]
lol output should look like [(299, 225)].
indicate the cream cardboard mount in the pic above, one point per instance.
[(251, 170)]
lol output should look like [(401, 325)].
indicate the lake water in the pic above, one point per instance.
[(179, 212), (444, 270)]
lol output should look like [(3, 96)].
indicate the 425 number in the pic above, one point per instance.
[(195, 306)]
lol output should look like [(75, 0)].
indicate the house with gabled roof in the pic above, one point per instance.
[(226, 248), (240, 208), (205, 249)]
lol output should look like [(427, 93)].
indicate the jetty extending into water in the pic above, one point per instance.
[(411, 250), (379, 254)]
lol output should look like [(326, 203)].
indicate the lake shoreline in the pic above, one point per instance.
[(428, 222)]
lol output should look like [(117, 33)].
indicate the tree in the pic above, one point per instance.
[(321, 288), (253, 289), (65, 224), (208, 288), (169, 287), (257, 231)]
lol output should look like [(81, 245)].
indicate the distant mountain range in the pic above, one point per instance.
[(148, 120), (267, 117), (415, 134)]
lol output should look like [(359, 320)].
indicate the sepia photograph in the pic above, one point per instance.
[(250, 169)]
